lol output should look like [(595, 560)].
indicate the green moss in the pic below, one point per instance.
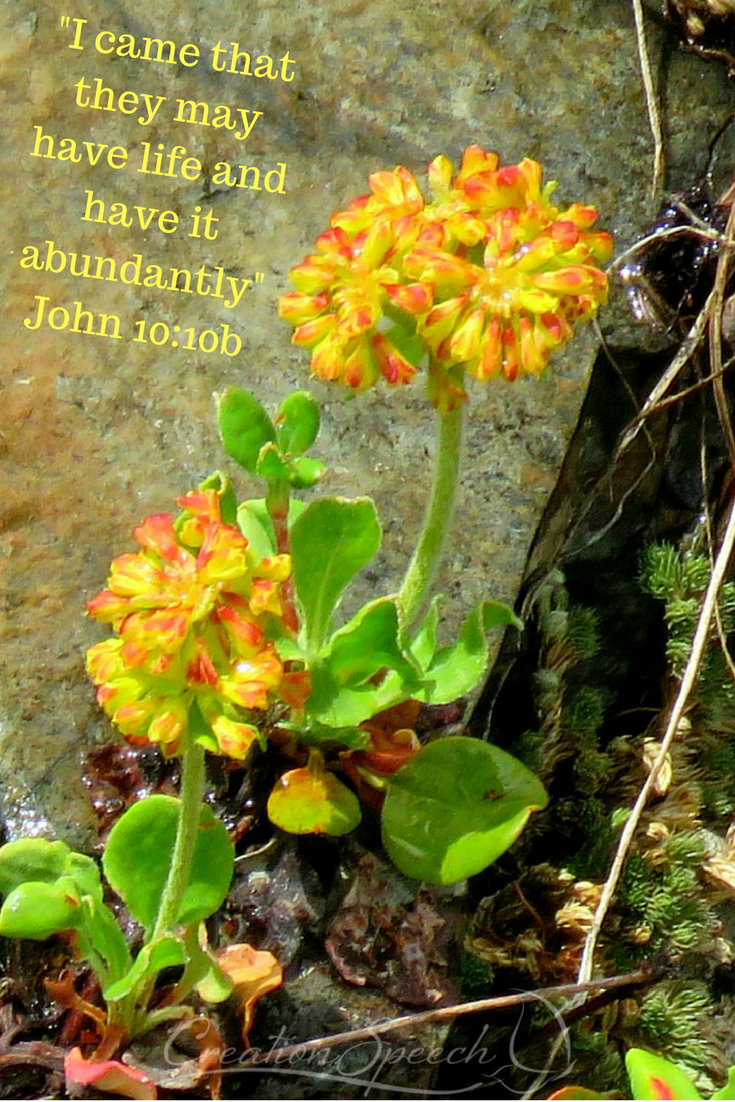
[(673, 1022), (582, 632), (593, 857), (679, 580), (477, 975), (598, 1060), (583, 715), (591, 772), (667, 897)]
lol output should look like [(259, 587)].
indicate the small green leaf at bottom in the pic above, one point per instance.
[(166, 952), (653, 1077), (726, 1093)]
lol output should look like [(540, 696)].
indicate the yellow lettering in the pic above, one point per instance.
[(68, 150), (223, 174), (265, 68), (125, 98), (30, 260), (160, 44), (129, 49), (104, 34), (194, 108)]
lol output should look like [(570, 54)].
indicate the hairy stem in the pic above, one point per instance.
[(438, 517), (277, 502), (192, 786)]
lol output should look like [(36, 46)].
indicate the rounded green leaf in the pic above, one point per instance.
[(455, 807), (31, 859), (36, 910), (343, 692), (37, 859), (455, 670), (306, 801), (138, 856), (244, 426), (370, 642), (654, 1077), (297, 422)]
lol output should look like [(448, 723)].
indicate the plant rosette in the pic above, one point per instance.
[(50, 889), (368, 668)]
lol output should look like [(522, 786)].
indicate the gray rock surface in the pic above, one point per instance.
[(97, 433)]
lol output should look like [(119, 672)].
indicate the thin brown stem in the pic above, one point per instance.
[(442, 1013), (654, 117)]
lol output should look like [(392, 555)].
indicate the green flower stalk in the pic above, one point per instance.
[(190, 795), (426, 557)]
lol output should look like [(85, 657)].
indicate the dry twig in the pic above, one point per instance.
[(640, 977), (715, 337), (653, 114)]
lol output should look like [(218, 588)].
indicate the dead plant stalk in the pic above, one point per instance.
[(651, 102), (640, 976)]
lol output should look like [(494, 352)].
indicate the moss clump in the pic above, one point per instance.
[(477, 975), (661, 891), (565, 749), (679, 580), (673, 1022)]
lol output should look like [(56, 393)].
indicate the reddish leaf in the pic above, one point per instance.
[(207, 1037), (378, 936), (210, 1058), (64, 993), (387, 751), (108, 1075), (393, 719)]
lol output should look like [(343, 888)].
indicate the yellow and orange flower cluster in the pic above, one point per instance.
[(191, 657), (489, 277)]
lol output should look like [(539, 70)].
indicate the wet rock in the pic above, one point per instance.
[(318, 1003), (275, 901)]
